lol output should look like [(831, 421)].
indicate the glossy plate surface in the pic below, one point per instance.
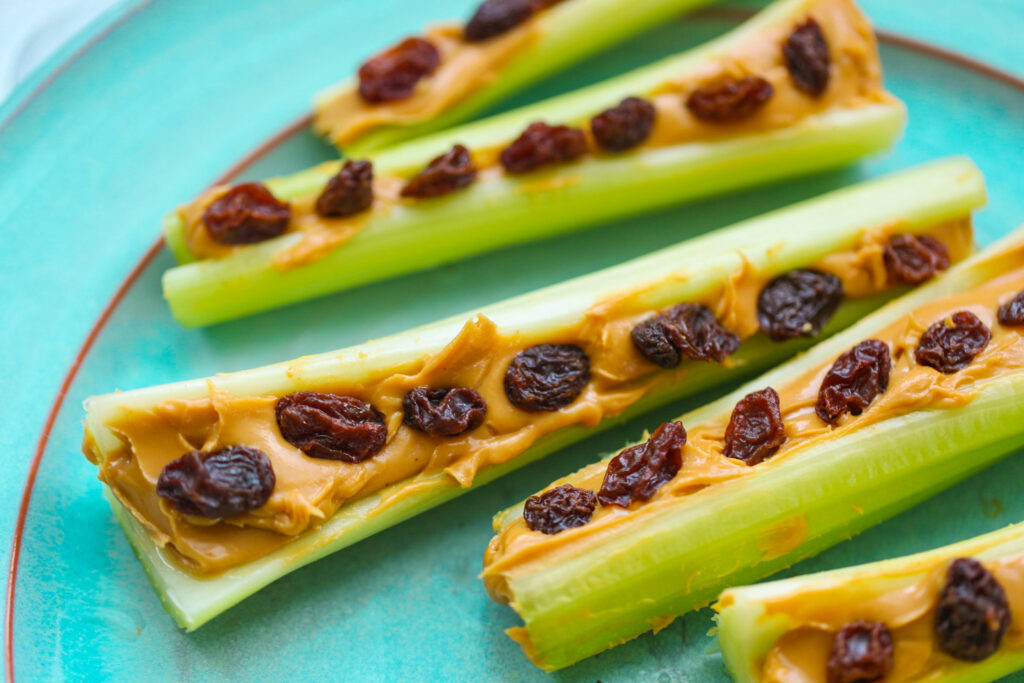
[(168, 101)]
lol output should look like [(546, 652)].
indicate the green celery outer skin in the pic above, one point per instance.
[(590, 598), (746, 635), (571, 31), (773, 243)]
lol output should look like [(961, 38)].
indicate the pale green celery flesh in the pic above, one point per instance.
[(746, 634), (572, 31), (599, 595), (411, 238)]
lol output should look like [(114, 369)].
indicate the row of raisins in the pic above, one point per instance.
[(971, 617)]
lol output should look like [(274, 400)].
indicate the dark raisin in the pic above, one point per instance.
[(730, 99), (547, 377), (972, 614), (349, 192), (806, 55), (219, 483), (1011, 313), (331, 427), (494, 17), (444, 412), (755, 432), (449, 172), (951, 344), (639, 471), (861, 652), (541, 144), (394, 73), (623, 126), (853, 382), (689, 330), (561, 508), (245, 214), (798, 304), (912, 259)]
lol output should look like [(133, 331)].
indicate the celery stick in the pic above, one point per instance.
[(595, 595), (746, 633), (780, 241), (571, 31)]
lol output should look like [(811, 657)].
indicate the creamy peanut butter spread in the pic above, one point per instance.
[(309, 490), (855, 82), (517, 549), (801, 654)]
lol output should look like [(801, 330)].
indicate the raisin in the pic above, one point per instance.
[(444, 412), (246, 214), (494, 17), (807, 59), (394, 73), (755, 432), (541, 144), (639, 471), (331, 427), (951, 344), (451, 171), (547, 377), (561, 508), (1011, 313), (798, 304), (730, 99), (623, 126), (218, 484), (689, 330), (349, 192), (912, 259), (861, 652), (972, 614), (853, 382)]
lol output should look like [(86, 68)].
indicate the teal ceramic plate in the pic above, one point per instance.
[(161, 106)]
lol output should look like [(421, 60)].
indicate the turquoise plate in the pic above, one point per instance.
[(171, 96)]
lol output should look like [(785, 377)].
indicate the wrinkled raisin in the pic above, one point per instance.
[(1011, 313), (951, 344), (853, 382), (331, 427), (541, 144), (972, 614), (623, 126), (861, 652), (245, 214), (639, 471), (494, 17), (798, 304), (730, 99), (561, 508), (912, 259), (394, 73), (807, 59), (547, 377), (755, 432), (449, 172), (349, 192), (444, 412), (219, 483), (689, 330)]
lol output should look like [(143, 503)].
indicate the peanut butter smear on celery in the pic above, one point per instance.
[(855, 82), (310, 490)]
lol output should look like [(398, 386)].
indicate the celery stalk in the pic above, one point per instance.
[(596, 595), (795, 237), (747, 634), (502, 210), (571, 31)]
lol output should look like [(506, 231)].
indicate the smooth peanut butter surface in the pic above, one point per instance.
[(515, 548), (309, 490), (855, 81), (801, 654)]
